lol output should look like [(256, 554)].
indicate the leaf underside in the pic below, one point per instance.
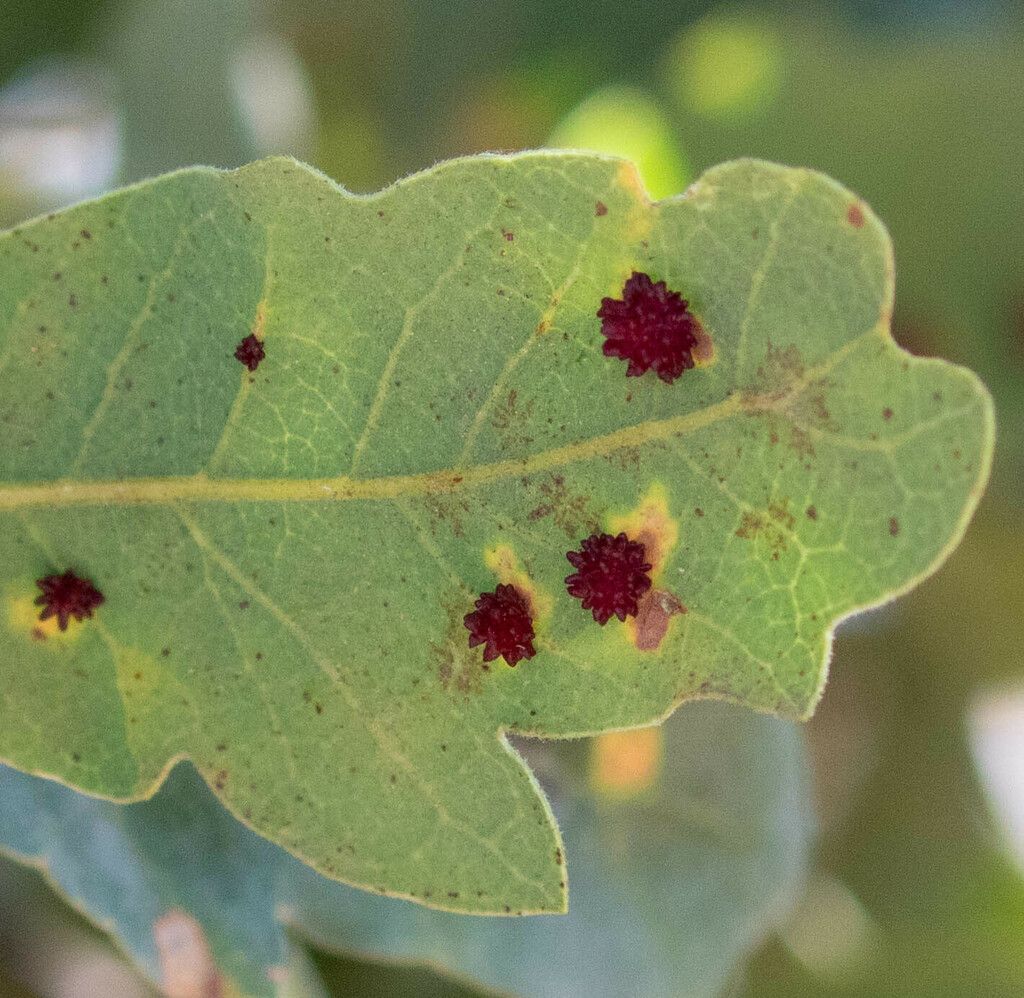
[(287, 555)]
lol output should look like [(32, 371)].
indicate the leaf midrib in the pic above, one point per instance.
[(201, 488)]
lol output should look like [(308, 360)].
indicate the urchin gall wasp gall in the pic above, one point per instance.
[(610, 577), (66, 596), (502, 623), (649, 326), (250, 352)]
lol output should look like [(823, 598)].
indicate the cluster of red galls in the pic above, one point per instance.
[(610, 577), (651, 328)]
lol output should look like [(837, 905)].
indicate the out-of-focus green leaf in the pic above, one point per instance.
[(287, 556), (174, 62), (676, 875)]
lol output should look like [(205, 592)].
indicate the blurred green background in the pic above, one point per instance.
[(917, 105)]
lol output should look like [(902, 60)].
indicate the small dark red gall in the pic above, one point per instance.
[(651, 327), (250, 352), (502, 623), (66, 596), (610, 577)]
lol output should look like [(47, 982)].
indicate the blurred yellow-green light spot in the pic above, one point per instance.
[(626, 121), (726, 66)]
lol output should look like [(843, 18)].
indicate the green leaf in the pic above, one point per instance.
[(287, 557), (679, 867)]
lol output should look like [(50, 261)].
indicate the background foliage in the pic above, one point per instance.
[(916, 106)]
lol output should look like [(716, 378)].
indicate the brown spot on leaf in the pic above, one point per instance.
[(750, 525), (812, 513), (894, 526), (570, 511), (654, 612), (771, 525), (855, 216), (445, 511), (800, 441), (458, 667), (887, 414), (510, 419), (775, 376), (703, 353)]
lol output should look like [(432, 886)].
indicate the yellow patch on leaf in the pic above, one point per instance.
[(624, 764), (502, 561), (651, 525), (23, 617)]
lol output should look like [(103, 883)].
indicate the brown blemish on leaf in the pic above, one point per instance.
[(812, 513), (800, 441), (510, 419), (855, 216), (446, 510), (704, 353), (654, 613), (187, 969), (751, 525), (444, 663), (887, 414), (570, 512), (894, 526), (816, 408), (775, 377), (771, 525), (458, 667), (600, 209)]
